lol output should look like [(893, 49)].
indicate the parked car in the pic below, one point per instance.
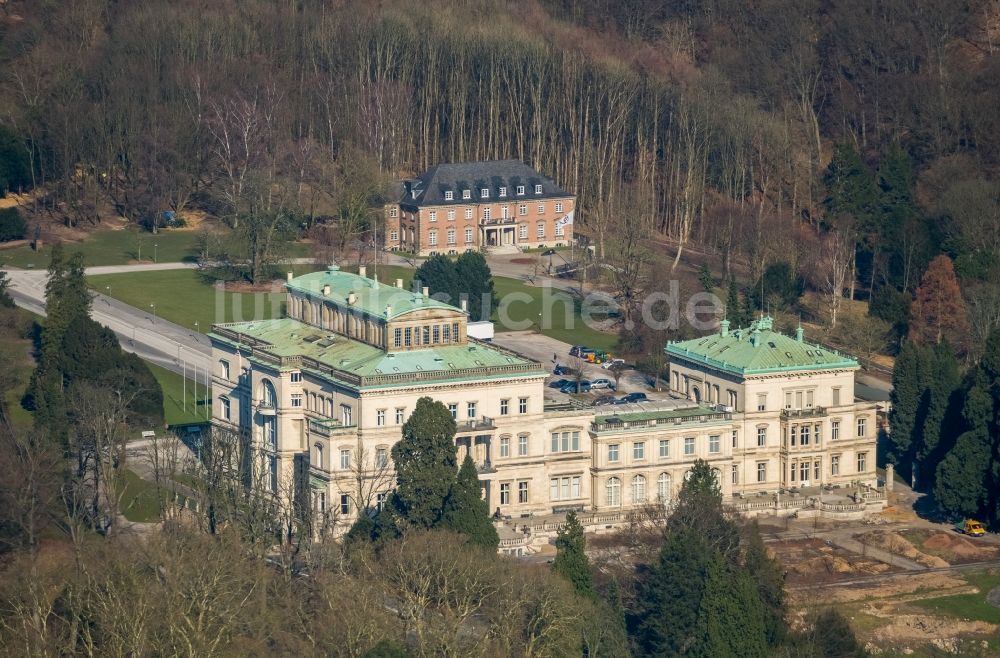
[(613, 363), (602, 383), (634, 397), (604, 399), (577, 350), (563, 370), (559, 383), (572, 388)]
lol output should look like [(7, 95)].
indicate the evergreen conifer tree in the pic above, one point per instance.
[(571, 558), (465, 510), (425, 464), (476, 280)]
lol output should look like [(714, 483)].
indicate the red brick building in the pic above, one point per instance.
[(500, 204)]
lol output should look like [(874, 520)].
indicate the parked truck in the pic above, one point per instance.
[(971, 527)]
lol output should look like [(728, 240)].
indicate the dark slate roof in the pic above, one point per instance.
[(431, 186)]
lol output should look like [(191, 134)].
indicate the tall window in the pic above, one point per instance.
[(296, 399), (522, 209), (381, 457), (639, 489), (522, 445), (761, 437), (614, 492), (468, 236), (736, 439), (224, 408), (639, 450), (762, 471), (484, 193), (468, 213), (664, 447), (318, 455), (689, 445), (451, 236), (397, 337), (538, 189), (522, 491), (835, 465), (273, 472), (453, 409), (505, 493), (504, 405), (432, 238), (862, 426), (734, 474), (407, 336), (862, 462), (505, 446), (487, 213), (380, 417), (345, 504), (522, 232), (224, 368), (714, 444), (269, 398), (400, 412), (836, 396), (345, 458), (346, 415), (270, 428), (834, 430), (541, 209), (761, 401), (503, 191), (663, 488), (470, 409), (522, 405), (451, 215), (558, 206), (520, 190), (432, 216), (541, 229)]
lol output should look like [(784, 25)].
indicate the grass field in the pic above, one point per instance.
[(968, 606), (180, 405), (112, 247), (138, 499)]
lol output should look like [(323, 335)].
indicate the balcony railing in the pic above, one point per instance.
[(481, 424), (808, 412)]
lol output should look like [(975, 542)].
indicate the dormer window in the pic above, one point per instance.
[(503, 191), (484, 193), (538, 189), (520, 190), (466, 194), (449, 196)]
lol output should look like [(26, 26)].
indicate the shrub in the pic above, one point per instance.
[(12, 225)]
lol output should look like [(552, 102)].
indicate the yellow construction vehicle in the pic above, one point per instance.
[(971, 527)]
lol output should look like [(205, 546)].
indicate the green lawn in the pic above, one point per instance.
[(112, 247), (968, 606), (180, 405), (138, 499)]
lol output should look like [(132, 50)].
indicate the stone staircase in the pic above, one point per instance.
[(503, 250)]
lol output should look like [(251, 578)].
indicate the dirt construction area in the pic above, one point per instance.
[(900, 590)]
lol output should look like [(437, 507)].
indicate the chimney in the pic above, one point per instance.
[(799, 333), (361, 270), (289, 277), (724, 325), (465, 305), (326, 290), (351, 298), (755, 337), (426, 291), (399, 283)]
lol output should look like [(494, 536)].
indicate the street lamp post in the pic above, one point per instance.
[(108, 291), (155, 245), (153, 306)]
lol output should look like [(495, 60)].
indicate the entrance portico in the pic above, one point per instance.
[(495, 236)]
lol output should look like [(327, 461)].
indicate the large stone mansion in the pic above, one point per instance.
[(323, 394), (452, 208)]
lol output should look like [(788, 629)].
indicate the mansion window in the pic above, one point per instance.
[(614, 492), (689, 445), (804, 435), (538, 189), (639, 489), (505, 446), (453, 409), (862, 462), (714, 444), (427, 335), (468, 213), (522, 232), (664, 447), (466, 194), (487, 213), (449, 195), (503, 191), (345, 458), (346, 415), (639, 450), (380, 417), (505, 211), (761, 437), (505, 493), (400, 412), (273, 473), (504, 404), (522, 209), (520, 190), (484, 193), (345, 504), (558, 206), (541, 230), (736, 439), (834, 430), (836, 396), (761, 401), (762, 471), (541, 209), (568, 441), (559, 229), (318, 456), (295, 377), (613, 452), (862, 426), (436, 334), (835, 465), (296, 399), (522, 445), (451, 215), (564, 488), (394, 236), (522, 491), (224, 367), (393, 212), (734, 474), (381, 457), (407, 337), (445, 334), (397, 337), (468, 236), (224, 408), (470, 409), (522, 405), (432, 216), (663, 488)]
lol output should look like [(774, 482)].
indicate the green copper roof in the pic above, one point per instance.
[(364, 365), (370, 296), (758, 349)]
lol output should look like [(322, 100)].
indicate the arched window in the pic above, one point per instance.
[(224, 408), (639, 489), (614, 490), (268, 398), (318, 455), (663, 484), (696, 393)]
